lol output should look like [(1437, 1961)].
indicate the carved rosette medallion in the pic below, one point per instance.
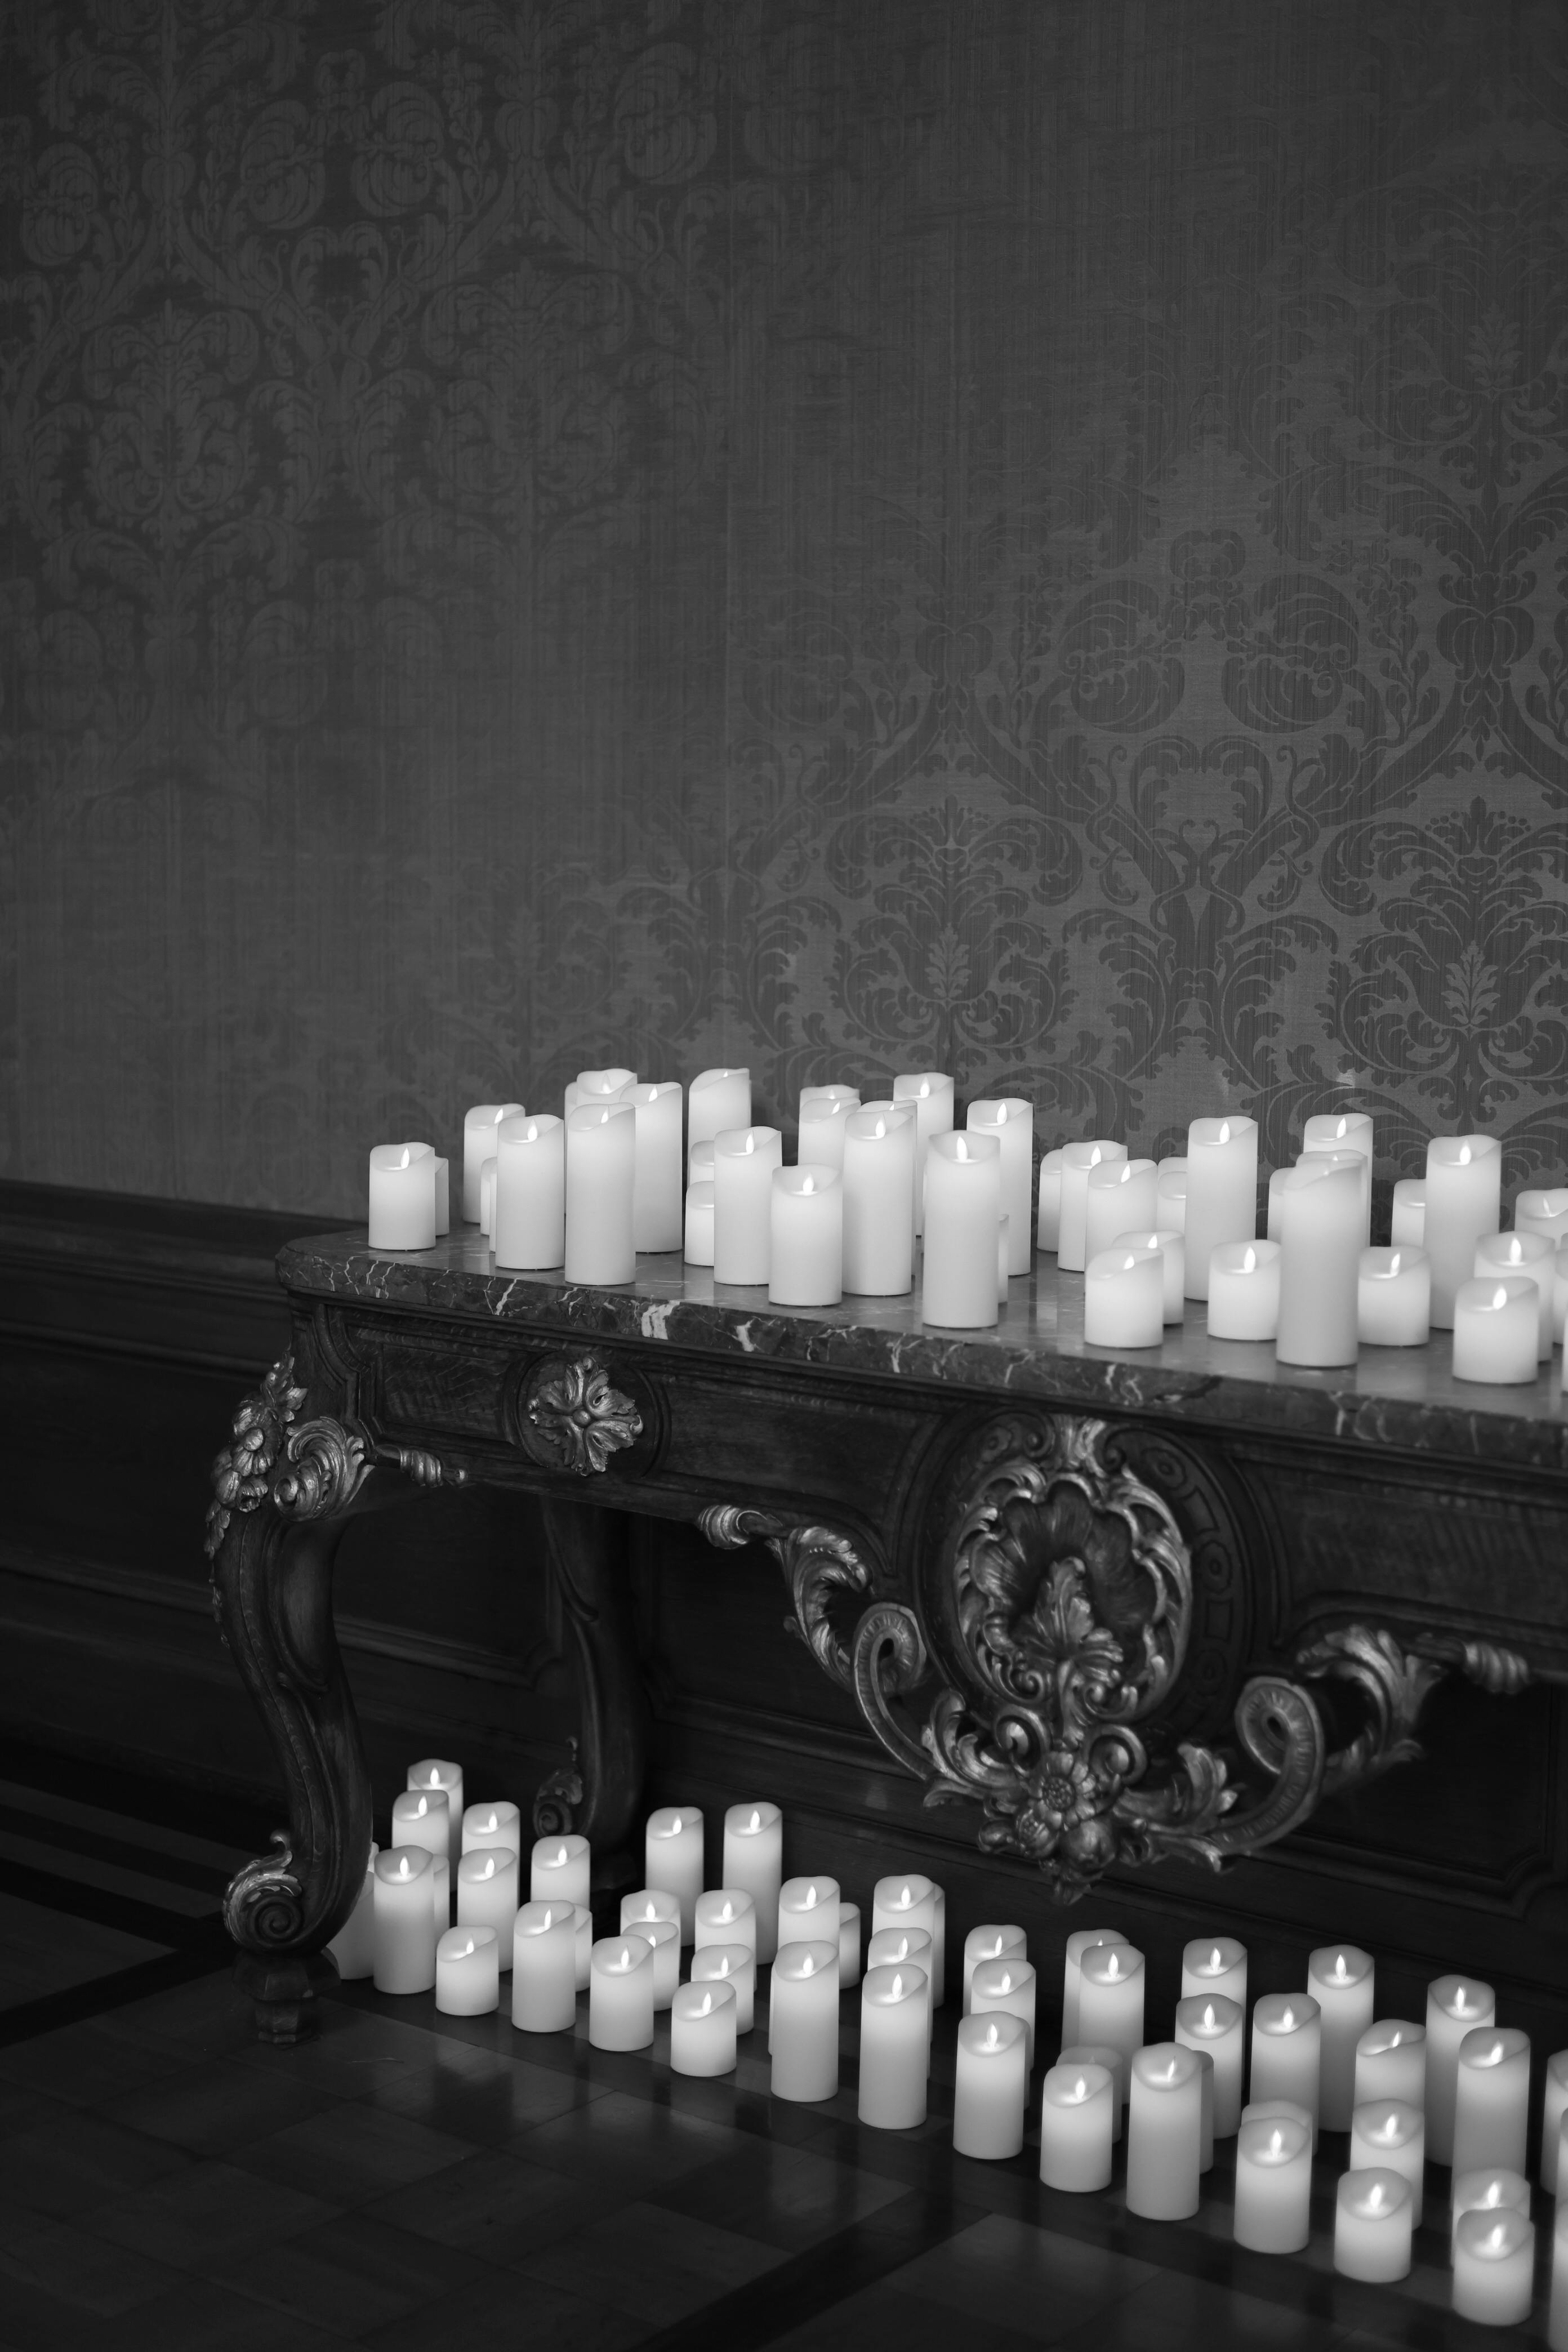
[(575, 1418)]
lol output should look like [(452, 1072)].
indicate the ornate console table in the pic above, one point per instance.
[(1113, 1606)]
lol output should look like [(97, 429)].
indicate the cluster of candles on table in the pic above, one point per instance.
[(1454, 2089), (882, 1190)]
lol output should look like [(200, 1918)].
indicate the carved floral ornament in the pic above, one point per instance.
[(1056, 1621), (580, 1417)]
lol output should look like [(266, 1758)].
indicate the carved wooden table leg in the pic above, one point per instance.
[(601, 1796)]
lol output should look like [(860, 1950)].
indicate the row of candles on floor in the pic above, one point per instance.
[(1455, 2089), (622, 1172)]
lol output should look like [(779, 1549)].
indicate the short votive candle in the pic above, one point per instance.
[(1244, 1290), (467, 1971), (672, 1859), (1496, 1327), (990, 1943), (894, 2006), (725, 1916), (1491, 2188), (1373, 2217), (1287, 2049), (1164, 2132), (1214, 1964), (560, 1870), (702, 2027), (991, 2085), (1491, 2099), (1392, 2134), (1124, 1298), (1455, 2006), (1077, 2055), (1208, 2022), (1532, 1256), (1342, 1980), (544, 1968), (1394, 1297), (732, 1964), (1391, 2062), (1273, 2185), (1494, 2268), (620, 1993), (754, 1865), (1079, 2113), (498, 1823)]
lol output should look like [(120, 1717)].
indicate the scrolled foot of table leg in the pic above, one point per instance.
[(283, 1993)]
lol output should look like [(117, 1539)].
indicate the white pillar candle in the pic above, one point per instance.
[(487, 1895), (911, 1901), (700, 1163), (931, 1093), (402, 1197), (1394, 1297), (990, 1943), (560, 1870), (1244, 1290), (672, 1858), (878, 1201), (528, 1225), (1544, 1213), (1392, 2132), (479, 1129), (1320, 1263), (440, 1772), (1275, 1220), (1496, 1331), (1554, 2105), (848, 1946), (354, 1946), (1373, 2221), (1072, 1224), (1455, 2006), (1165, 2121), (1076, 2056), (620, 1993), (544, 1967), (1171, 1199), (1110, 2003), (1273, 2185), (601, 1170), (702, 2028), (1342, 1980), (1407, 1222), (1523, 1253), (443, 1197), (1172, 1259), (1557, 2314), (803, 2021), (754, 1865), (657, 1187), (603, 1086), (1048, 1203), (1208, 2022), (719, 1100), (1118, 1194), (1491, 2099), (1493, 2188), (1391, 2062), (892, 1947), (834, 1095), (1347, 1131), (487, 1198), (1010, 1120), (467, 1977), (725, 1916), (939, 1943), (1464, 1203), (730, 1964), (894, 2006), (819, 1142), (1081, 1940), (1560, 1292), (664, 1935), (962, 1202), (1079, 2113), (1124, 1298), (440, 1892), (1287, 2050), (808, 1911), (423, 1817), (990, 2088), (1222, 1192), (1003, 1271), (1270, 2110), (744, 1159), (1494, 2268), (495, 1823), (1007, 1985), (1212, 1964), (805, 1260), (583, 1918), (402, 1921), (698, 1249)]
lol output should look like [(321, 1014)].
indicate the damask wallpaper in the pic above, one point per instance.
[(1027, 537)]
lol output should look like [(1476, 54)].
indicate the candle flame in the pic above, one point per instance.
[(1499, 1295), (489, 1869), (1395, 1261), (1394, 2039), (675, 1826), (905, 1896), (1341, 1971), (403, 1869), (421, 1809), (1006, 1983), (809, 1185), (470, 1948), (963, 1150), (1387, 2129), (531, 1133), (925, 1090), (1113, 1967), (1492, 2057), (1514, 1253), (727, 1912), (756, 1819), (991, 2037), (1342, 1126), (1217, 1961), (1288, 2020), (898, 1986), (807, 1964), (1464, 1158), (722, 1966), (651, 1909), (750, 1143), (493, 1824), (625, 1961), (707, 2005), (810, 1903), (561, 1856), (1080, 2089), (1276, 2142), (1223, 1136), (1374, 2198), (881, 1126), (1209, 2018), (1497, 2238), (1249, 1260)]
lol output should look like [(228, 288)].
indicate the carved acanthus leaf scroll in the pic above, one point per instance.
[(818, 1564), (581, 1418), (263, 1908), (1394, 1684), (241, 1472)]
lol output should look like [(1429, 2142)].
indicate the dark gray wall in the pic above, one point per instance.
[(1026, 538)]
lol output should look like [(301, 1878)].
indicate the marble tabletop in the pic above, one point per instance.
[(1403, 1398)]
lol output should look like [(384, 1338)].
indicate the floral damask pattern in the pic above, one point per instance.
[(1026, 539)]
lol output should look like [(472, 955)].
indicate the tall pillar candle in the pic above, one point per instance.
[(911, 1901), (1222, 1192), (479, 1127), (1171, 1201), (1164, 2122), (1073, 1234), (1456, 2005), (962, 1202), (754, 1865), (697, 1248), (1350, 1131), (440, 1772), (1212, 1964), (544, 1968), (658, 1186), (1392, 2132), (1394, 1297), (1494, 2268), (1497, 1326), (467, 1975), (560, 1870), (1079, 2111), (991, 2086), (1244, 1290), (1118, 1196), (805, 1261), (834, 1095), (621, 1993), (893, 2048), (1554, 2106), (1560, 1293), (702, 2028), (1209, 2023), (730, 1964), (1124, 1298), (1010, 1120), (487, 1199), (1374, 2216), (404, 1921), (1544, 1212), (601, 1169), (354, 1946), (744, 1159), (672, 1858), (585, 1920), (803, 2021), (1172, 1259), (402, 1213), (878, 1201), (1391, 2062), (931, 1094), (1110, 2002), (1320, 1262), (1287, 2050), (1006, 1985), (1048, 1202), (848, 1946), (487, 1895), (719, 1100), (1081, 1940), (988, 1943), (820, 1140), (423, 1817), (1464, 1203), (1407, 1215), (890, 1948), (529, 1227), (1530, 1255), (1273, 2185), (1491, 2099), (1342, 1980)]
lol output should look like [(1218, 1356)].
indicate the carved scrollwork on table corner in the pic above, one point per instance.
[(423, 1467), (1393, 1683), (557, 1798), (581, 1419), (818, 1564), (241, 1472), (263, 1907)]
